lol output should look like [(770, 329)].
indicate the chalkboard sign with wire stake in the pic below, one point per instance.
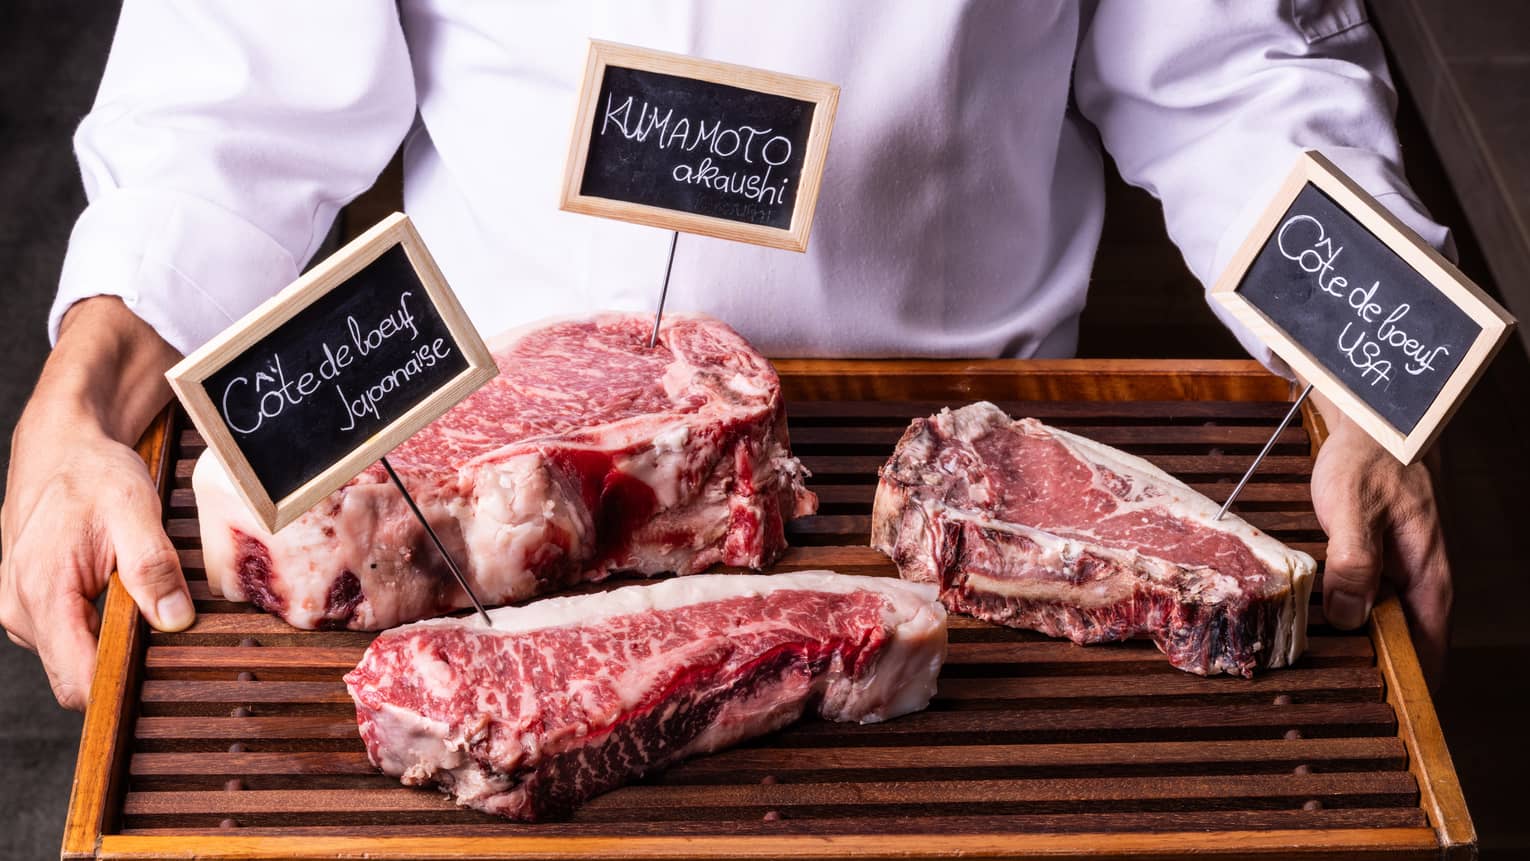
[(698, 146), (333, 372), (1360, 306)]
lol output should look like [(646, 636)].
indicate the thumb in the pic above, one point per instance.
[(67, 646), (148, 565), (1352, 570)]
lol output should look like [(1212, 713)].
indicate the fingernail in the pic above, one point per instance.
[(1346, 609), (175, 611)]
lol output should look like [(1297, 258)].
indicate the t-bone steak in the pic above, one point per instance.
[(1033, 527), (566, 698), (589, 453)]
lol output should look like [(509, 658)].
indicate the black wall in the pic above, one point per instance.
[(51, 56)]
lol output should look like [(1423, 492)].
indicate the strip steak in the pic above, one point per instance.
[(566, 698)]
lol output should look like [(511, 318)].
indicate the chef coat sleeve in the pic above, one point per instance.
[(225, 136), (1206, 104)]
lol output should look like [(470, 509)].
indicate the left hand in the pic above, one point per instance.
[(1381, 520)]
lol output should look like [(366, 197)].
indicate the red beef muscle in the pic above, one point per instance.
[(1033, 527), (588, 454), (568, 697)]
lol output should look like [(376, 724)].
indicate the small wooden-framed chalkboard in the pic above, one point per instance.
[(333, 372), (1360, 306), (698, 146)]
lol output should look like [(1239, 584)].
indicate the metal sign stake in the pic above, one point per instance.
[(1290, 414), (653, 339), (441, 548)]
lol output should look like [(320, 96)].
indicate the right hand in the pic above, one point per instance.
[(80, 502)]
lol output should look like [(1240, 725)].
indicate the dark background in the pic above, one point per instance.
[(1466, 120)]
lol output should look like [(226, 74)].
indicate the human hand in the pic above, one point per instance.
[(1382, 521), (78, 506), (80, 502)]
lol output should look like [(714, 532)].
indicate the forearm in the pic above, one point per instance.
[(107, 371), (222, 142)]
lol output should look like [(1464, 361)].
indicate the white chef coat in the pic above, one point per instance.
[(961, 203)]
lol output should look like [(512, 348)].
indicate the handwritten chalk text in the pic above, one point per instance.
[(248, 403), (751, 153), (1371, 342)]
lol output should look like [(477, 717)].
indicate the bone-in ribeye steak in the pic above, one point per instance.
[(1033, 527), (568, 697), (588, 454)]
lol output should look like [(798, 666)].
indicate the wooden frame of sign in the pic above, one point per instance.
[(187, 377), (824, 97), (1312, 168)]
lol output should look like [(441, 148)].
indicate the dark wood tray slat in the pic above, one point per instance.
[(1292, 496), (972, 643), (864, 467), (1021, 655), (1177, 821), (913, 762), (818, 799), (957, 727), (270, 698), (883, 437), (1058, 412)]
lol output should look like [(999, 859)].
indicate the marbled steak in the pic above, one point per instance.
[(1033, 527), (588, 454)]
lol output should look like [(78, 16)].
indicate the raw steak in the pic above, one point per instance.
[(569, 697), (588, 454), (1033, 527)]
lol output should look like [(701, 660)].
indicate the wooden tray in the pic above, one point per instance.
[(235, 739)]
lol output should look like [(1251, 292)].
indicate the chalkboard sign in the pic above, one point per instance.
[(697, 146), (1361, 307), (332, 373)]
